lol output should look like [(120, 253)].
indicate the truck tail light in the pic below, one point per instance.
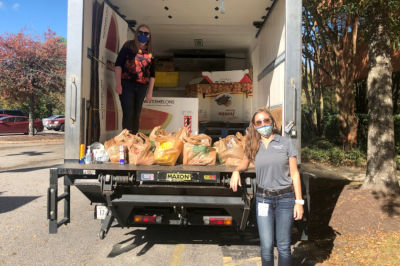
[(147, 219), (217, 220)]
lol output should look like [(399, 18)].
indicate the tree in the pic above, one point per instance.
[(382, 21), (30, 68), (336, 24)]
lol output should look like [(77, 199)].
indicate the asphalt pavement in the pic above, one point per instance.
[(24, 239)]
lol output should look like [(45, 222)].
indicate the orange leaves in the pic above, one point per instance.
[(31, 65)]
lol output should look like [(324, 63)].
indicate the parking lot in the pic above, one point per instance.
[(24, 179)]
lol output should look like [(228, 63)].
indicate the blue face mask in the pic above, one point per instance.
[(265, 131), (143, 38)]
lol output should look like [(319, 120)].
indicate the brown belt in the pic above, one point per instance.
[(277, 192)]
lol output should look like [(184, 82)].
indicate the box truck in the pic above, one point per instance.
[(259, 38)]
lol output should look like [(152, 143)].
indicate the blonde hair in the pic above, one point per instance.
[(253, 138)]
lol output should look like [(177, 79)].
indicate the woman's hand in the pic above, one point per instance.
[(298, 211), (118, 89), (235, 181), (148, 97)]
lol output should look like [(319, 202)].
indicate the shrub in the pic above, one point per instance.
[(337, 156), (324, 151), (318, 155), (354, 155), (323, 144)]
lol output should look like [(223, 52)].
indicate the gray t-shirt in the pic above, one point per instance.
[(272, 164)]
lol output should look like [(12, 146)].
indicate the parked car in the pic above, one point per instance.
[(57, 124), (11, 112), (46, 121), (18, 124)]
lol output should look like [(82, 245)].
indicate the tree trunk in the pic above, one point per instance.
[(381, 164), (31, 107), (347, 118)]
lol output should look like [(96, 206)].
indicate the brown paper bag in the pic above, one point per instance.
[(230, 150), (140, 151), (197, 150)]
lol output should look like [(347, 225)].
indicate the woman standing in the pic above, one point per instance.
[(135, 76), (278, 194)]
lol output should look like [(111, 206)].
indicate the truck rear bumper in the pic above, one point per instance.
[(186, 201)]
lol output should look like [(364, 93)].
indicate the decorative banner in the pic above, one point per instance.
[(114, 32)]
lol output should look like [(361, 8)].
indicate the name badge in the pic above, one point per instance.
[(263, 209)]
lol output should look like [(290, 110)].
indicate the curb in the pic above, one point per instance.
[(31, 141)]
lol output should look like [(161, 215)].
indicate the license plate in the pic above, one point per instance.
[(178, 177), (147, 177), (101, 212)]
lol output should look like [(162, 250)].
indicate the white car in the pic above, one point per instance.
[(45, 121)]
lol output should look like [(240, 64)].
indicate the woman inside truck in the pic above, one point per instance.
[(278, 194), (135, 76)]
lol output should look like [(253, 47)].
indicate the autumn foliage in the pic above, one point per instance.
[(31, 68)]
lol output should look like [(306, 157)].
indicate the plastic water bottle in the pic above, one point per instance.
[(88, 158), (121, 154)]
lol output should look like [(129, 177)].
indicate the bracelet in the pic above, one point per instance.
[(299, 201)]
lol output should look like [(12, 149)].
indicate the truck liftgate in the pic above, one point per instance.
[(137, 195), (147, 195)]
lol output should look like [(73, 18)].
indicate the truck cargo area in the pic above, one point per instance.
[(195, 42)]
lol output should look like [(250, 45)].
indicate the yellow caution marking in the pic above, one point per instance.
[(227, 259), (229, 262), (177, 255)]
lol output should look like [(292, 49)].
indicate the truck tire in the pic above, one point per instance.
[(62, 128)]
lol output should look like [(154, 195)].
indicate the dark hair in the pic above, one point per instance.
[(253, 137)]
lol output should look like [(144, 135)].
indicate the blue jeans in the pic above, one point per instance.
[(280, 217)]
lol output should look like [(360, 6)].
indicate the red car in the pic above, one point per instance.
[(18, 124), (57, 124)]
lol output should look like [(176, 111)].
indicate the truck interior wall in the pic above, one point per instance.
[(236, 61), (184, 78), (269, 45)]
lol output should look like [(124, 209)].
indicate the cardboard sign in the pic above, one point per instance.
[(171, 113)]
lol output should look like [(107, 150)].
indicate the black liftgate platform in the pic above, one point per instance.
[(185, 189)]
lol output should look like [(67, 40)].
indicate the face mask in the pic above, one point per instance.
[(265, 131), (143, 38)]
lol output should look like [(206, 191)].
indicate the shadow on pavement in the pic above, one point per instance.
[(29, 153), (324, 193), (11, 203), (228, 238), (24, 170)]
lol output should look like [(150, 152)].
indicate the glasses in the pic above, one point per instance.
[(266, 121), (145, 33)]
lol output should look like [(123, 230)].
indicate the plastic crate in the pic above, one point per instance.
[(167, 79)]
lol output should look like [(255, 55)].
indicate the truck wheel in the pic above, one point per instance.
[(102, 234), (62, 127), (35, 131)]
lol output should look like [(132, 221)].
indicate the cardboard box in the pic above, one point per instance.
[(171, 113), (227, 97)]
